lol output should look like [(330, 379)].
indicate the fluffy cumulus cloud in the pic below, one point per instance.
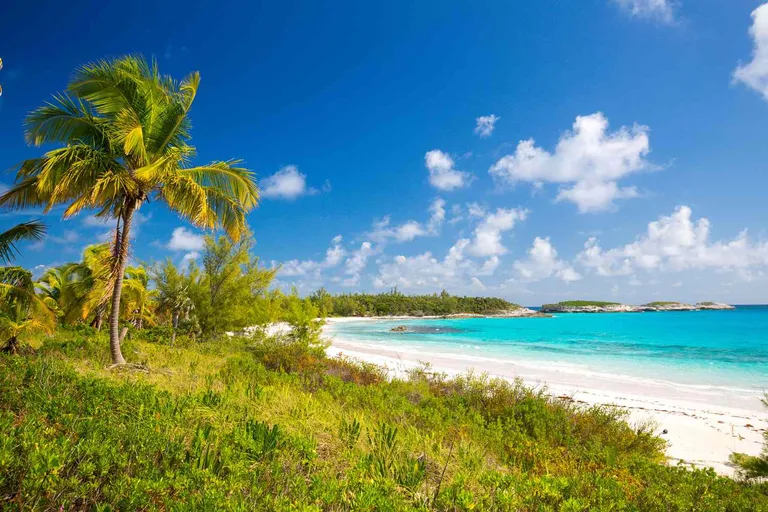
[(487, 238), (755, 73), (443, 174), (182, 239), (288, 183), (425, 270), (384, 231), (674, 243), (587, 163), (356, 263), (661, 10), (542, 262), (333, 257), (485, 124)]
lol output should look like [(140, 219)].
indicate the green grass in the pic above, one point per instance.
[(581, 303), (662, 303), (265, 425)]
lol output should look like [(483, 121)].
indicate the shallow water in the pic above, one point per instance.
[(708, 349)]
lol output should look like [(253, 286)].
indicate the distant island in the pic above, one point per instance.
[(590, 306), (396, 304)]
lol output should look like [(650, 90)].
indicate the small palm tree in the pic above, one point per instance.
[(140, 299), (21, 311), (79, 291), (125, 132), (172, 295)]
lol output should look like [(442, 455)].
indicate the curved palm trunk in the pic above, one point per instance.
[(121, 253)]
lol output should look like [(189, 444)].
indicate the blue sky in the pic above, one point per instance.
[(611, 149)]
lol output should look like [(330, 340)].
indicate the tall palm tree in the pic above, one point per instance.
[(125, 132)]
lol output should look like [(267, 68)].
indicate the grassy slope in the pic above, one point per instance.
[(219, 426)]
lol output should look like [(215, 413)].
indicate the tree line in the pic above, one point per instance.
[(394, 303)]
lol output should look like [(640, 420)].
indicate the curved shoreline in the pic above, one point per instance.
[(705, 424)]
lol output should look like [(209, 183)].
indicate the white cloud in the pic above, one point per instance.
[(356, 263), (288, 183), (675, 243), (542, 262), (333, 256), (755, 73), (424, 270), (183, 239), (477, 284), (67, 237), (383, 231), (587, 162), (485, 125), (661, 10), (487, 239), (92, 221), (188, 257), (442, 172)]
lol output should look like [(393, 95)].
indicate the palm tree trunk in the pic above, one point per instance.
[(174, 324), (121, 253)]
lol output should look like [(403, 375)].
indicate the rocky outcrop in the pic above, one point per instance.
[(510, 313), (399, 328), (587, 308), (608, 307), (668, 306), (714, 305)]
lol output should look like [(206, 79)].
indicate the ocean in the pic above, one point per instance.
[(707, 350)]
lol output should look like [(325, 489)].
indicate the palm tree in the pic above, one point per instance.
[(125, 132), (140, 300), (21, 311), (79, 291), (172, 295)]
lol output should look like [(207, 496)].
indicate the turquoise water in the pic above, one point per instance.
[(726, 349)]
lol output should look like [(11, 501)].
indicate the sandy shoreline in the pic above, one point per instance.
[(703, 426)]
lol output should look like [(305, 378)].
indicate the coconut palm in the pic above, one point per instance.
[(33, 230), (79, 291), (22, 313), (125, 132), (139, 298), (173, 296)]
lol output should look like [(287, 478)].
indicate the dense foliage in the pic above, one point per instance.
[(265, 424), (394, 303), (580, 303)]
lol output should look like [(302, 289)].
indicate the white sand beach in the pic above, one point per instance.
[(703, 427)]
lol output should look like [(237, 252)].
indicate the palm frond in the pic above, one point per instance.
[(64, 120), (32, 230)]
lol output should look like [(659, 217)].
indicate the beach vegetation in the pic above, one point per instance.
[(395, 303), (753, 467), (264, 423), (122, 131), (581, 303)]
